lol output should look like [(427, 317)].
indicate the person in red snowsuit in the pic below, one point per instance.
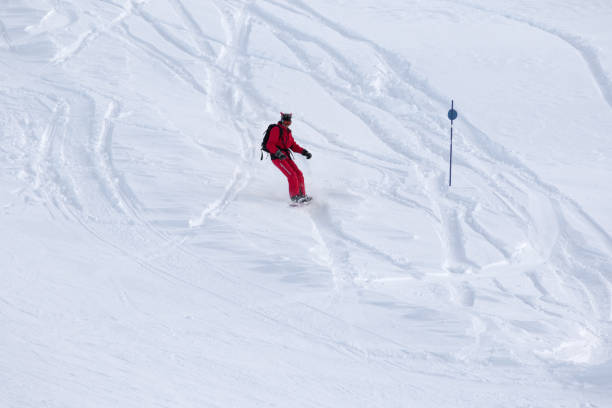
[(280, 143)]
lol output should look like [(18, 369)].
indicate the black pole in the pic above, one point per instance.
[(450, 161), (452, 115)]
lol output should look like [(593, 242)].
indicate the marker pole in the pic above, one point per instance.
[(452, 115)]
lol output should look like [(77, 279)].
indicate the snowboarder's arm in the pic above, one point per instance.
[(297, 148)]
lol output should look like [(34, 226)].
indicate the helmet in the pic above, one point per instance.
[(285, 117)]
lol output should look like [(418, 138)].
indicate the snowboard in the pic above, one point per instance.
[(302, 203)]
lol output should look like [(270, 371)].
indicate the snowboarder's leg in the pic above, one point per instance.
[(300, 177), (289, 172)]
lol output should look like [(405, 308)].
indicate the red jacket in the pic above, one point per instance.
[(281, 139)]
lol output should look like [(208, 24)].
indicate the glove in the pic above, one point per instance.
[(279, 155), (306, 153)]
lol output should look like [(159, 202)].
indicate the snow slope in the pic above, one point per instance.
[(149, 258)]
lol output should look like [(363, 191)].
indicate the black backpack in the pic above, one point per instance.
[(264, 142)]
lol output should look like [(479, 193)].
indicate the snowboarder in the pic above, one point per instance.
[(280, 143)]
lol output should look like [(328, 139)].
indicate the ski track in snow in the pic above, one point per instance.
[(202, 40), (71, 170), (166, 60), (87, 37), (587, 52), (237, 33)]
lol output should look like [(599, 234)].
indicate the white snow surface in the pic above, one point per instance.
[(148, 258)]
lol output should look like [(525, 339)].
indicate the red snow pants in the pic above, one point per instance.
[(293, 174)]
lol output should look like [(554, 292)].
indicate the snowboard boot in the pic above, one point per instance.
[(301, 198)]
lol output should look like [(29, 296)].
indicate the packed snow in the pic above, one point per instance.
[(149, 258)]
